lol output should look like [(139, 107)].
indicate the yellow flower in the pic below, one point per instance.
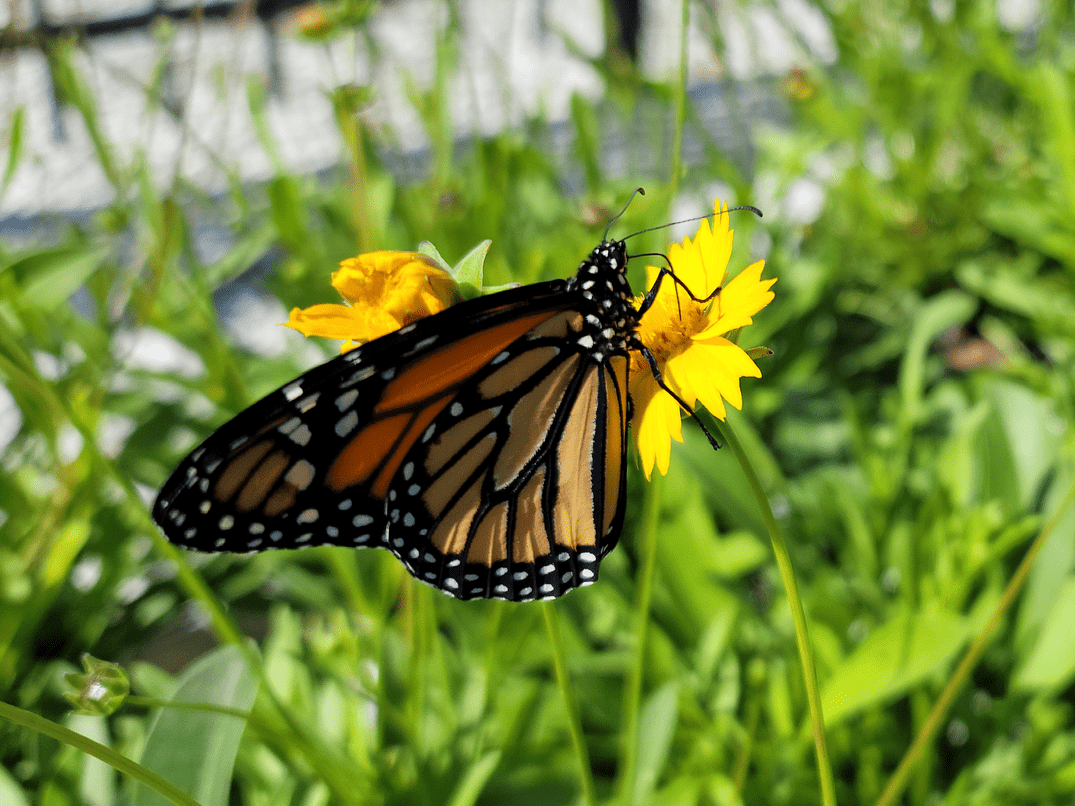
[(688, 339), (382, 292)]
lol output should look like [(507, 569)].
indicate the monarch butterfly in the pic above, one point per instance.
[(484, 446)]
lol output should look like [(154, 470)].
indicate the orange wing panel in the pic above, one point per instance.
[(366, 452), (454, 363)]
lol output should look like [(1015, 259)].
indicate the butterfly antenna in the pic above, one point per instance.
[(749, 207), (615, 218)]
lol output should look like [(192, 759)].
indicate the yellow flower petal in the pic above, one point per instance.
[(686, 338), (737, 302), (657, 422), (747, 292)]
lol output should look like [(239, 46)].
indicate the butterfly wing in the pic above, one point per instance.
[(515, 489), (326, 458)]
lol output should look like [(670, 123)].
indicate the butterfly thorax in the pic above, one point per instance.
[(612, 318)]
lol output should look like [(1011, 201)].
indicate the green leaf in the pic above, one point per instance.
[(941, 312), (475, 778), (997, 476), (658, 721), (98, 780), (470, 270), (1031, 426), (193, 749), (1051, 664), (1055, 563), (894, 657), (285, 198), (48, 278), (430, 251)]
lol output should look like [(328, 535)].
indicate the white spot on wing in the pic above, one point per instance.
[(358, 377), (346, 424), (347, 399), (301, 435), (290, 425)]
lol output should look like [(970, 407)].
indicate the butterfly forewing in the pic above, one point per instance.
[(303, 465), (484, 446)]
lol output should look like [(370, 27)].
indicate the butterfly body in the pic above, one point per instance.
[(484, 446)]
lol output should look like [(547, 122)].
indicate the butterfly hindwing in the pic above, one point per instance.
[(515, 489)]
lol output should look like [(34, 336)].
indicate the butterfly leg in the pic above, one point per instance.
[(683, 404), (651, 294)]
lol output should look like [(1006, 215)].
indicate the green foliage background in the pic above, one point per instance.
[(913, 430)]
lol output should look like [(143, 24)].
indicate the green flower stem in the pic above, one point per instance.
[(574, 722), (924, 739), (632, 695), (133, 769), (798, 615)]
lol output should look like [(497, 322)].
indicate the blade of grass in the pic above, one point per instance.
[(632, 695), (680, 101), (574, 722), (16, 140)]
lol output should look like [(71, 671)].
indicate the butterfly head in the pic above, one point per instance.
[(607, 302)]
